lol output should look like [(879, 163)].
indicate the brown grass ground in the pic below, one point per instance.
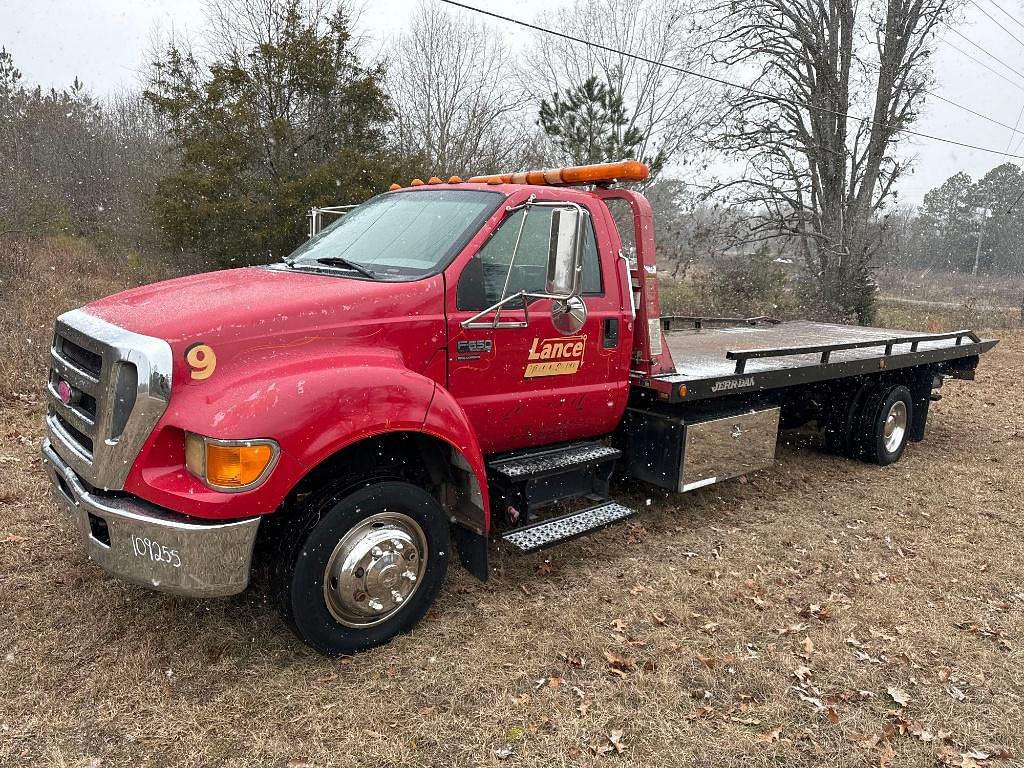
[(755, 623)]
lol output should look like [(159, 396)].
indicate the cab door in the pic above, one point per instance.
[(531, 385)]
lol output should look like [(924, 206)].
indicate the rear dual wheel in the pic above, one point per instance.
[(361, 566), (873, 425), (884, 424), (885, 420)]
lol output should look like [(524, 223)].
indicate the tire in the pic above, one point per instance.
[(885, 421), (342, 575)]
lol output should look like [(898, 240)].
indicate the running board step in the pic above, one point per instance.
[(548, 533), (553, 460)]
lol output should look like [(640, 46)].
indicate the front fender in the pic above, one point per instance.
[(447, 420), (312, 407)]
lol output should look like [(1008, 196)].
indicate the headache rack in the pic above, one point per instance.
[(741, 356)]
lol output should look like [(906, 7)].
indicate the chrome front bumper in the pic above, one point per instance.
[(139, 542)]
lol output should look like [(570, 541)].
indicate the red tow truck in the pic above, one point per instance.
[(435, 369)]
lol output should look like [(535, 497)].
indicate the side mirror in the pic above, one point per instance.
[(564, 255), (568, 315)]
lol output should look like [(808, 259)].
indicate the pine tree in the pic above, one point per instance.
[(589, 123)]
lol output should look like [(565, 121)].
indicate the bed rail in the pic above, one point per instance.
[(741, 356)]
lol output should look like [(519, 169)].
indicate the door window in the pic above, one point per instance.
[(482, 282)]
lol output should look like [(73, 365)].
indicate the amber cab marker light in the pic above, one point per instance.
[(416, 183), (393, 187), (455, 180), (433, 180), (229, 465)]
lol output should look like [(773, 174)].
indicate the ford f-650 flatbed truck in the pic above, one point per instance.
[(437, 366)]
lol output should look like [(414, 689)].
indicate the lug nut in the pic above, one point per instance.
[(376, 605), (396, 596), (409, 576), (376, 552), (397, 545)]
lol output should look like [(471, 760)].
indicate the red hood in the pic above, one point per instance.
[(259, 302)]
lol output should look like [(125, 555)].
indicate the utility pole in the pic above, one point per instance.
[(977, 251)]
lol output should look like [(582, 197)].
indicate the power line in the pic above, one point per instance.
[(984, 50), (997, 23), (965, 108), (721, 81), (981, 63), (1007, 14)]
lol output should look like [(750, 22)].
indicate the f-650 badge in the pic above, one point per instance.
[(555, 357), (725, 384)]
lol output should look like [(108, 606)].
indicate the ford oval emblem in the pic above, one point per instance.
[(64, 392)]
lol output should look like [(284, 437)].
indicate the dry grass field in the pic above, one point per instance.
[(820, 613)]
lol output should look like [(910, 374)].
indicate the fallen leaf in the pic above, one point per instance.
[(745, 720), (771, 737), (620, 665), (831, 715), (504, 752), (425, 711), (13, 539), (808, 646), (657, 619), (555, 682), (865, 740), (584, 706), (700, 712), (813, 701), (898, 695), (956, 693), (707, 661), (802, 673), (615, 737), (619, 625), (887, 755)]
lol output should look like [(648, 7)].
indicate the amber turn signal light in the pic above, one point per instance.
[(229, 465)]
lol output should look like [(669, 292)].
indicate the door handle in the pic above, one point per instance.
[(610, 335)]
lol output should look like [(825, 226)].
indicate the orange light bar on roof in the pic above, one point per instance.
[(627, 170)]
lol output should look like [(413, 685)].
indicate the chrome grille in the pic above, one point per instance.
[(119, 384)]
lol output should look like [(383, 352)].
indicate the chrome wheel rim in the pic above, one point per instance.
[(895, 426), (374, 569)]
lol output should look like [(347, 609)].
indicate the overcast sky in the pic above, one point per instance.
[(102, 42)]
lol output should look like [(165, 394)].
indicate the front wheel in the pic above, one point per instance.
[(885, 422), (364, 567)]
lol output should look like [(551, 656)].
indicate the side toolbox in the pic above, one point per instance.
[(682, 454)]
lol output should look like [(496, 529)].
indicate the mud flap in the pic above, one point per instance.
[(472, 551)]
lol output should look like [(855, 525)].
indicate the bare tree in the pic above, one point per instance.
[(813, 170), (669, 108), (456, 107)]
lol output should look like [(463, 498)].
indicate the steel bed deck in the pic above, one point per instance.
[(713, 362)]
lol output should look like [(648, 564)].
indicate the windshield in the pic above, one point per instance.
[(399, 236)]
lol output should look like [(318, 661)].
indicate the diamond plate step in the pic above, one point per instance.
[(553, 460), (547, 533)]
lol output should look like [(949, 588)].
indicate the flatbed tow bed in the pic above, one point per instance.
[(759, 354)]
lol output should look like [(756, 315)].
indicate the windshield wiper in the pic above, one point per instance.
[(341, 261)]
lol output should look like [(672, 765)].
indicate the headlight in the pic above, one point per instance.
[(229, 465)]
